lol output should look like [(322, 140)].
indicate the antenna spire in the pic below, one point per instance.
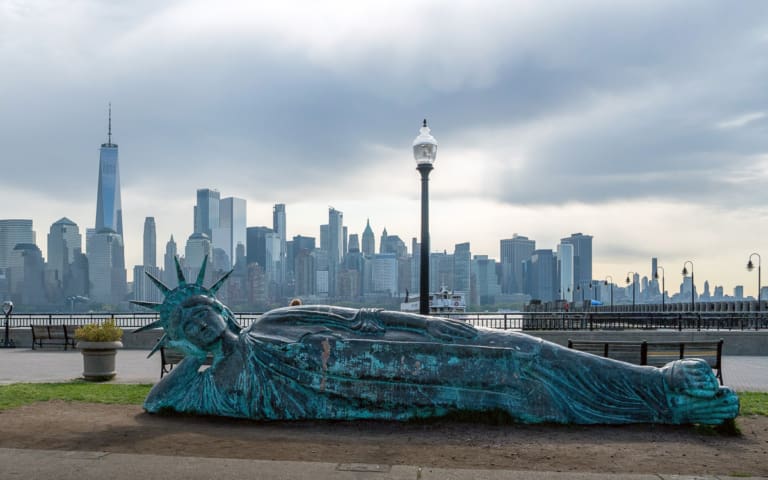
[(109, 132)]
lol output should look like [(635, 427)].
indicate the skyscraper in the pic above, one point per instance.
[(106, 267), (383, 240), (27, 284), (539, 273), (514, 251), (64, 243), (485, 280), (231, 229), (109, 212), (207, 211), (335, 247), (462, 260), (256, 246), (105, 247), (13, 232), (64, 240), (279, 226), (143, 288), (169, 272), (150, 243), (369, 242), (566, 285), (354, 243), (384, 273), (582, 258), (197, 248)]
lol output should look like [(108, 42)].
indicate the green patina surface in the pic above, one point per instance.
[(326, 362)]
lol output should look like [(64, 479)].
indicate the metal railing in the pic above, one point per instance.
[(505, 321), (617, 320), (123, 320)]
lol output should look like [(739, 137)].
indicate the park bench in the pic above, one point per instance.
[(63, 335), (655, 353), (171, 356)]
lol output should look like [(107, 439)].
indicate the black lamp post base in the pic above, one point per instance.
[(8, 344)]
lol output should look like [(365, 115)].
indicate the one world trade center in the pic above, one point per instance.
[(109, 212)]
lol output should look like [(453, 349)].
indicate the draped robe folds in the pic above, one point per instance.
[(350, 365)]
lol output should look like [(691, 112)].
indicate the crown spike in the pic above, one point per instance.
[(163, 288), (179, 273), (216, 286), (160, 343), (201, 273), (150, 326), (154, 306)]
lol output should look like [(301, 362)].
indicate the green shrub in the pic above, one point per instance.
[(106, 332)]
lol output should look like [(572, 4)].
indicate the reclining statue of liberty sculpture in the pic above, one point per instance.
[(325, 362)]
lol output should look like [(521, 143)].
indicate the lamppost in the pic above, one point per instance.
[(606, 283), (693, 285), (633, 288), (7, 309), (424, 152), (750, 267), (663, 289)]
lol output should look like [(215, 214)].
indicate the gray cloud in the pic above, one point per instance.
[(198, 100)]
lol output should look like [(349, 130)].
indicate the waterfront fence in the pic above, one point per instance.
[(750, 320)]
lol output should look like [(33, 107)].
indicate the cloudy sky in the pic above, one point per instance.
[(644, 124)]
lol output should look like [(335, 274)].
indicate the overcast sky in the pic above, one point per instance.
[(644, 124)]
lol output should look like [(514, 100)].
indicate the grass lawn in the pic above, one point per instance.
[(17, 394), (754, 403)]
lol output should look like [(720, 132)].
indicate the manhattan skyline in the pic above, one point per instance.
[(650, 135)]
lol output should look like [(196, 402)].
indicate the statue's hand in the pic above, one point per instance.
[(449, 330), (189, 350), (368, 322)]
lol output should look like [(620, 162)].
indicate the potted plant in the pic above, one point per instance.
[(99, 343)]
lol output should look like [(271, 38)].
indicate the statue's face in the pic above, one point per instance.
[(202, 324)]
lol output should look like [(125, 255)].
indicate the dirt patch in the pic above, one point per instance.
[(453, 444)]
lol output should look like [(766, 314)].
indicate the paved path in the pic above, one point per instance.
[(744, 374), (63, 465), (26, 365)]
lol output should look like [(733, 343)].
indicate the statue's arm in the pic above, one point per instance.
[(439, 328), (369, 321)]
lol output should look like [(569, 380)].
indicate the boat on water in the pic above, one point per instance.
[(443, 301)]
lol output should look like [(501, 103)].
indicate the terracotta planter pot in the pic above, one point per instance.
[(99, 360)]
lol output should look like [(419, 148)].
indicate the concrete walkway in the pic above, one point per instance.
[(744, 374), (63, 465), (26, 365)]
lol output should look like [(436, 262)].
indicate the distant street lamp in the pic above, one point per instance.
[(424, 152), (750, 267), (606, 283), (7, 309), (663, 289), (693, 285), (633, 288)]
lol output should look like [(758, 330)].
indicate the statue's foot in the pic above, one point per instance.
[(695, 395)]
